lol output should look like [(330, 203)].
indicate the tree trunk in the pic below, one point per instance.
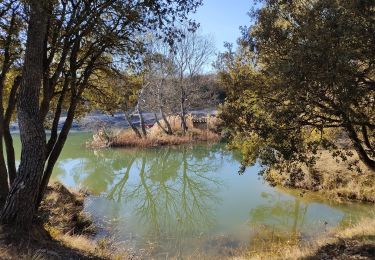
[(57, 148), (367, 140), (133, 127), (11, 160), (6, 62), (363, 156), (167, 124), (159, 124), (19, 207), (183, 118), (4, 187), (76, 90), (141, 121), (183, 122), (182, 108), (56, 119)]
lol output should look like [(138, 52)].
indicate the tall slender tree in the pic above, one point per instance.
[(20, 204)]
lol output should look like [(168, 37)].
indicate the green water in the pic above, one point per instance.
[(189, 200)]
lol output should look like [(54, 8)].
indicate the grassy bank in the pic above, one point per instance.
[(331, 178), (354, 242), (61, 231)]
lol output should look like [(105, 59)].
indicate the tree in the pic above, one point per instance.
[(70, 44), (24, 190), (159, 70), (178, 69), (10, 27), (304, 72), (190, 56)]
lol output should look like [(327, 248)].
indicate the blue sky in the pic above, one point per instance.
[(221, 19)]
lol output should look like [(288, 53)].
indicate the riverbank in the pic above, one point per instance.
[(354, 242), (67, 234), (332, 179), (61, 231)]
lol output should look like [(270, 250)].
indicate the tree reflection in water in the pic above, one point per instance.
[(175, 199), (283, 218), (174, 195), (289, 220)]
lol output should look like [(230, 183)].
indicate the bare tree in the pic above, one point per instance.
[(175, 77), (159, 70), (139, 110), (190, 56)]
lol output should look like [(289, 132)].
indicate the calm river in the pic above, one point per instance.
[(189, 200)]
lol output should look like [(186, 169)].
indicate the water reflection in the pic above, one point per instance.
[(171, 192), (190, 199), (284, 219), (173, 197), (287, 215)]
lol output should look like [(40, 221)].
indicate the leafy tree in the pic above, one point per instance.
[(303, 76), (70, 44), (11, 51)]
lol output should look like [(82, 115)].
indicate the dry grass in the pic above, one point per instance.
[(333, 179), (63, 210), (103, 248), (67, 223), (362, 229), (354, 242), (267, 243), (156, 136), (127, 138)]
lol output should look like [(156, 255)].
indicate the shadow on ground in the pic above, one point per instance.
[(356, 248), (35, 243)]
